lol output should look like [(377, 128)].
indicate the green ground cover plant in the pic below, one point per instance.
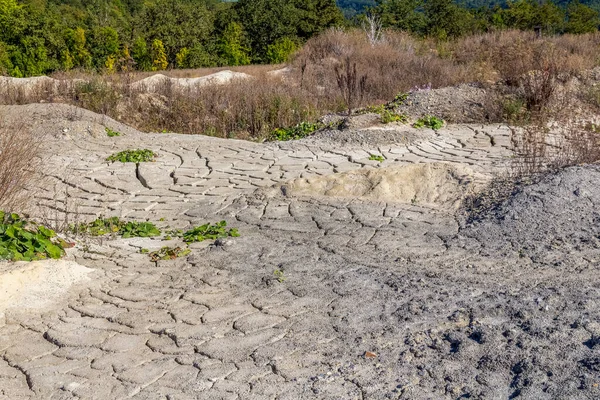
[(111, 133), (375, 157), (168, 253), (429, 121), (114, 225), (135, 156), (210, 232), (302, 130), (22, 240)]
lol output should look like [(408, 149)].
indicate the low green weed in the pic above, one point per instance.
[(111, 133), (21, 240), (208, 231), (296, 132), (388, 116), (169, 253), (279, 275), (114, 225), (429, 121), (386, 111), (375, 157), (135, 156)]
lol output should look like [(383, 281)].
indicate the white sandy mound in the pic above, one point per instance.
[(28, 84), (434, 184), (154, 82), (37, 284)]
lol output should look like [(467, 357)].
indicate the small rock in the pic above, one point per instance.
[(369, 354)]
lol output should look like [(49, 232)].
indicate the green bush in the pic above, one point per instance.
[(429, 121), (136, 156), (21, 240), (299, 131)]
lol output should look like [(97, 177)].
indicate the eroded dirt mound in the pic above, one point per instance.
[(437, 184), (552, 221), (457, 104)]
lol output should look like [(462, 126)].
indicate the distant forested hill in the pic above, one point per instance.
[(350, 8)]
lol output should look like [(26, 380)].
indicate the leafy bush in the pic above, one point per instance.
[(429, 121), (299, 131), (168, 253), (136, 156), (208, 231), (111, 133), (103, 226), (21, 240)]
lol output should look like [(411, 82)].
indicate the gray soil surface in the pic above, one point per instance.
[(374, 298)]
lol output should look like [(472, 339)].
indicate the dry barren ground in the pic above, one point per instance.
[(385, 294)]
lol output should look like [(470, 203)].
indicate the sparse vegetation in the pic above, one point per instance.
[(20, 160), (134, 156), (22, 240), (295, 132), (111, 133), (375, 157), (116, 226), (169, 253), (429, 121), (209, 232)]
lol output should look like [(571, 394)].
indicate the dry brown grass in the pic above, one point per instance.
[(20, 161), (526, 69)]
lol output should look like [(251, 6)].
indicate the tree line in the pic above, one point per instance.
[(41, 36)]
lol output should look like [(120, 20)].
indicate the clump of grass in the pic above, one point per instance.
[(429, 121), (22, 240), (114, 225), (134, 156), (296, 132), (111, 133), (375, 157)]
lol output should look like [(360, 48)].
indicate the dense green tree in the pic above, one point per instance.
[(177, 24), (401, 14), (141, 55), (104, 44), (280, 51), (581, 18), (232, 45)]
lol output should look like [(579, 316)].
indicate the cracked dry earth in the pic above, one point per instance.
[(378, 299)]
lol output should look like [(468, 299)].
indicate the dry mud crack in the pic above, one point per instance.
[(377, 274)]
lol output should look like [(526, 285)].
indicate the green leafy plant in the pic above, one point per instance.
[(144, 251), (111, 133), (21, 240), (169, 253), (429, 121), (386, 111), (302, 130), (103, 226), (136, 156), (208, 231), (388, 116), (375, 157), (138, 229), (279, 275)]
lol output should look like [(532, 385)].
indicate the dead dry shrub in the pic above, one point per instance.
[(20, 161)]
